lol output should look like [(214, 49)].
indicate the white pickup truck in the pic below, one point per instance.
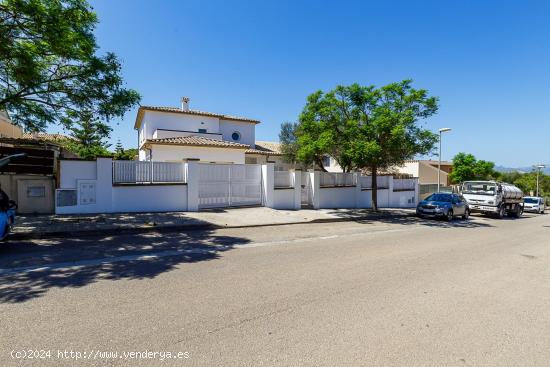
[(493, 197)]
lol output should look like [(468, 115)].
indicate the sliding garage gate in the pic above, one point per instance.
[(223, 185)]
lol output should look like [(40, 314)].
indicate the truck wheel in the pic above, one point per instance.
[(501, 212), (466, 214), (518, 212)]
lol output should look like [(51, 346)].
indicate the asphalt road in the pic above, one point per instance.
[(399, 292)]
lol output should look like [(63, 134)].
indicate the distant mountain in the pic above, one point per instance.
[(546, 170)]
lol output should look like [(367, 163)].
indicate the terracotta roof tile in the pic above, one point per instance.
[(266, 148), (197, 141)]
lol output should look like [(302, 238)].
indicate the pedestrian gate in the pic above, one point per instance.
[(223, 185), (306, 191)]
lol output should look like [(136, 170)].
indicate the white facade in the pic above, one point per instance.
[(175, 153)]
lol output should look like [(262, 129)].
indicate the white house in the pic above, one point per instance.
[(173, 134)]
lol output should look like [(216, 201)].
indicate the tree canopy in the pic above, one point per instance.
[(364, 127), (466, 167), (50, 72)]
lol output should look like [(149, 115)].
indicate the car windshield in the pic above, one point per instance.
[(531, 200), (440, 197), (483, 188)]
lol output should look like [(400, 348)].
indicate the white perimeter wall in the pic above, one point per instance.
[(76, 170), (337, 197), (154, 198), (176, 153), (365, 198), (284, 199), (402, 199), (79, 175)]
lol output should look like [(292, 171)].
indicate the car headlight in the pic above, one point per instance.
[(438, 209)]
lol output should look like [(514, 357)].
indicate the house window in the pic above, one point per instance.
[(326, 161), (236, 136), (202, 131)]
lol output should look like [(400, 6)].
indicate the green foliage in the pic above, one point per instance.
[(89, 138), (49, 70), (126, 154), (364, 127), (87, 151), (287, 138), (466, 167)]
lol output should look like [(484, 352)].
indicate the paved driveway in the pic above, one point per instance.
[(388, 292)]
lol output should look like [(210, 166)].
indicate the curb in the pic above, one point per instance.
[(187, 227)]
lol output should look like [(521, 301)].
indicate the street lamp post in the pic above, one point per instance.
[(538, 167), (441, 131)]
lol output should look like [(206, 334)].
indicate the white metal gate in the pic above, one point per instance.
[(223, 185), (306, 191)]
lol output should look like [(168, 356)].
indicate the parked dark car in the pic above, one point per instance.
[(443, 205)]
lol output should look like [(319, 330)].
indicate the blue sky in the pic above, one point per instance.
[(488, 61)]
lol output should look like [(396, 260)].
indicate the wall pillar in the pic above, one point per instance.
[(193, 172), (315, 188), (416, 192), (297, 189), (268, 184), (390, 192), (104, 185)]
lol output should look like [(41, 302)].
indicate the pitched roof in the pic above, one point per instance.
[(197, 141), (141, 110), (266, 148)]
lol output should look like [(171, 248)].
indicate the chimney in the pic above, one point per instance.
[(185, 103)]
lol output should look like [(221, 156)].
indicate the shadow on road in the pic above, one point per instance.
[(102, 253), (406, 218)]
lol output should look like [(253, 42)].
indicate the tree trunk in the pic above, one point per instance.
[(320, 164), (374, 195)]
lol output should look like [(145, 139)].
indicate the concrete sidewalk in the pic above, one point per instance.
[(42, 226)]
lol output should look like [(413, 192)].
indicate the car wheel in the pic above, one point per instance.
[(450, 215), (466, 214)]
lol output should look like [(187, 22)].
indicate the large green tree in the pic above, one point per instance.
[(50, 70), (325, 128), (389, 130), (366, 128), (467, 167)]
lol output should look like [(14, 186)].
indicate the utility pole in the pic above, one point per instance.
[(538, 167), (441, 131)]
